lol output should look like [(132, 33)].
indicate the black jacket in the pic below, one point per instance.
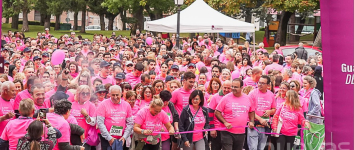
[(301, 53), (185, 121), (174, 113)]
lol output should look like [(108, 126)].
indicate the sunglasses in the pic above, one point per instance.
[(85, 93), (124, 83), (147, 86)]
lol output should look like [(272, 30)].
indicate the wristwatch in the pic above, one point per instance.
[(142, 131)]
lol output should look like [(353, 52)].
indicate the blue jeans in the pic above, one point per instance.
[(255, 140)]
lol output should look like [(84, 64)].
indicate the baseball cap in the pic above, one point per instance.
[(76, 42), (174, 67), (70, 43), (191, 64), (169, 78), (59, 95), (117, 64), (36, 57), (6, 62), (104, 64), (100, 88), (128, 62), (26, 49), (5, 49), (120, 76), (45, 55), (85, 43)]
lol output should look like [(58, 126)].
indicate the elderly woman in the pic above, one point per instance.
[(287, 75), (225, 75), (83, 110), (312, 97), (148, 120)]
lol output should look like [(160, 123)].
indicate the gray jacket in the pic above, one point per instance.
[(315, 107)]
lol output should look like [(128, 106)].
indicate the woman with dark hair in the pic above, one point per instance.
[(138, 89), (169, 45), (32, 140), (146, 96), (246, 64), (319, 80), (163, 72), (12, 71), (158, 85), (199, 115), (125, 88), (237, 72), (74, 69)]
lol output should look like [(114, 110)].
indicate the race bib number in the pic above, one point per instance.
[(266, 118), (297, 140), (116, 131)]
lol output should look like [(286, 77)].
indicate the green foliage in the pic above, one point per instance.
[(57, 7), (300, 6)]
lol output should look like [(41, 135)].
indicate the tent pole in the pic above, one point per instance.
[(254, 41)]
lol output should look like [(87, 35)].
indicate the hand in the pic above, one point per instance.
[(46, 121), (122, 139), (147, 132), (213, 134), (82, 148), (171, 132), (82, 137), (228, 125), (266, 113), (111, 141), (84, 112), (307, 124), (263, 122), (187, 144), (275, 130), (251, 125), (9, 115)]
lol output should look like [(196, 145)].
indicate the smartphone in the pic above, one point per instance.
[(42, 113), (17, 113)]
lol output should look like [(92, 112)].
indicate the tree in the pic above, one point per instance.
[(76, 7), (42, 7), (288, 8), (57, 7), (96, 7), (11, 8)]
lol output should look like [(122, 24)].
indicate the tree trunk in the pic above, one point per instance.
[(123, 16), (25, 27), (299, 29), (41, 23), (14, 23), (110, 22), (47, 21), (292, 28), (76, 13), (281, 33), (318, 42), (140, 17), (57, 22), (102, 23), (7, 20), (248, 18), (83, 21)]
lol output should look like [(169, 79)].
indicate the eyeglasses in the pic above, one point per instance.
[(101, 92), (147, 86), (262, 83), (85, 93), (129, 65), (292, 86), (196, 99)]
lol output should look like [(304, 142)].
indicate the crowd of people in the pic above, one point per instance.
[(125, 93)]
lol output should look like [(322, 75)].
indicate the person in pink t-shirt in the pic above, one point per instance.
[(114, 119), (180, 96), (134, 77), (213, 121), (264, 104), (18, 127), (274, 65), (199, 121), (146, 96), (233, 111), (38, 95), (84, 111), (291, 115), (149, 120), (253, 80), (6, 103), (26, 93), (58, 120), (104, 74)]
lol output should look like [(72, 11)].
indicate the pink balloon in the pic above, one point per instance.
[(57, 57), (149, 40)]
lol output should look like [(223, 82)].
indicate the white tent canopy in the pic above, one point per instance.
[(199, 17)]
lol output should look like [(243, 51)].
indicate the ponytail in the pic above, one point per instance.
[(35, 145)]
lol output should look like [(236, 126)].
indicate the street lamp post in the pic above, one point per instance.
[(178, 3)]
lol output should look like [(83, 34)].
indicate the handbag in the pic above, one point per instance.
[(92, 137), (280, 123)]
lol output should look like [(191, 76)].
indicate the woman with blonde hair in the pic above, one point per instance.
[(312, 99), (276, 47), (290, 114)]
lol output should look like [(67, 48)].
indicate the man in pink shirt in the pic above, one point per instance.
[(6, 103), (104, 74), (85, 48), (213, 121), (264, 104), (26, 93), (134, 77), (253, 80), (47, 35), (38, 95), (114, 118), (289, 60), (274, 66), (180, 97), (233, 112), (17, 128)]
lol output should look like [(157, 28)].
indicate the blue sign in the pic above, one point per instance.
[(236, 35)]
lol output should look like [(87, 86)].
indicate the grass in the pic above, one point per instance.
[(89, 34)]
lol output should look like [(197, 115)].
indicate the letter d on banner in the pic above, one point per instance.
[(337, 18)]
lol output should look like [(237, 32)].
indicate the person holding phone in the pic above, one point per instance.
[(8, 91)]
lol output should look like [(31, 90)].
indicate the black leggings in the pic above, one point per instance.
[(285, 142)]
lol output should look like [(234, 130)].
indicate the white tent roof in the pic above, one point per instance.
[(199, 17)]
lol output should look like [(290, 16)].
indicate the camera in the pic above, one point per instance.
[(43, 113)]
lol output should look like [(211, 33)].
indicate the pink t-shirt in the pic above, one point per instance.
[(200, 65), (279, 102), (108, 79), (249, 81), (14, 130), (199, 122), (150, 122), (143, 103), (115, 115), (262, 101), (222, 57), (215, 100), (244, 69), (235, 111), (180, 98), (273, 66), (133, 80), (235, 74), (6, 107), (291, 118), (62, 125), (165, 137), (20, 96), (52, 92), (76, 112), (305, 97)]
